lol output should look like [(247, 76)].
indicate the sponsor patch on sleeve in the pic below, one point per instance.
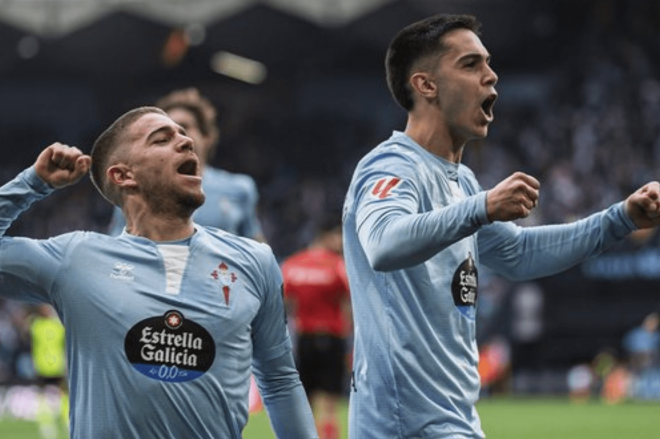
[(385, 187)]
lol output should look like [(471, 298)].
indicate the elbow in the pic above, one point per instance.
[(516, 273), (379, 265), (381, 261), (397, 256)]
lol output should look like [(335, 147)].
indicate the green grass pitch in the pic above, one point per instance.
[(541, 418), (502, 418)]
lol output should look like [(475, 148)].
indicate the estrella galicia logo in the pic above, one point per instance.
[(170, 348), (464, 287)]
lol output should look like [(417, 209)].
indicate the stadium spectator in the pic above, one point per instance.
[(166, 321), (49, 360), (418, 225), (642, 344), (231, 199), (316, 290), (10, 341)]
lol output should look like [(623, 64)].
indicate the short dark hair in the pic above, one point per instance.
[(107, 144), (416, 41)]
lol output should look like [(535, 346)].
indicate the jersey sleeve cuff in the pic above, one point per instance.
[(625, 225), (482, 211), (30, 177)]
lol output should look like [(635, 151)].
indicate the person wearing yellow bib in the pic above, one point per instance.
[(48, 357)]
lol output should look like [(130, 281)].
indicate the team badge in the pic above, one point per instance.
[(464, 287), (170, 348), (225, 278)]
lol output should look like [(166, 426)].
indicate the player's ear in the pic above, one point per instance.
[(121, 175), (423, 85)]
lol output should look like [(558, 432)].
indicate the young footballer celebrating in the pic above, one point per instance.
[(231, 198), (418, 227), (166, 322)]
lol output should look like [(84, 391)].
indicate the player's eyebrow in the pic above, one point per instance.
[(474, 56), (165, 129)]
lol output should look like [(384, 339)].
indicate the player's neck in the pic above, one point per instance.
[(160, 230), (434, 136), (158, 227)]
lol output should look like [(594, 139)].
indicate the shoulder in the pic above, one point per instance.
[(219, 176), (81, 236), (393, 161), (396, 150), (81, 245), (467, 175), (463, 170), (248, 248)]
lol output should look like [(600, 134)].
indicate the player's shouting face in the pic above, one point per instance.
[(465, 85), (164, 169)]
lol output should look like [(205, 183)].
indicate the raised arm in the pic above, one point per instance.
[(530, 252), (28, 266), (395, 234)]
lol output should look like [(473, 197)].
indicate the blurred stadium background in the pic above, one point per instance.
[(301, 89)]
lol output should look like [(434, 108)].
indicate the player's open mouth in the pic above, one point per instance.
[(488, 104), (189, 167)]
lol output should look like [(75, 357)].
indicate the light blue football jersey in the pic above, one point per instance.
[(152, 358), (231, 204), (415, 236)]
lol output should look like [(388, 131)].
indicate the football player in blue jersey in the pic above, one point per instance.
[(418, 227), (166, 322), (231, 198)]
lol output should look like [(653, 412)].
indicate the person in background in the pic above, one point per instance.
[(316, 291), (642, 344), (231, 198), (418, 227), (165, 322), (48, 350)]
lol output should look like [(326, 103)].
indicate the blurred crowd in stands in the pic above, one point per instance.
[(588, 127)]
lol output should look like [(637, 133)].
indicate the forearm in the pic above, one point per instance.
[(18, 195), (395, 240), (23, 267), (533, 252), (285, 399)]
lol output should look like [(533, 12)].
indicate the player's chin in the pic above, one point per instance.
[(192, 199), (480, 132), (197, 199)]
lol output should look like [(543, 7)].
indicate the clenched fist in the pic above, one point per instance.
[(61, 165), (513, 198), (643, 205)]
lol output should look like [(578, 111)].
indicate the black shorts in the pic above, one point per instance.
[(320, 359)]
